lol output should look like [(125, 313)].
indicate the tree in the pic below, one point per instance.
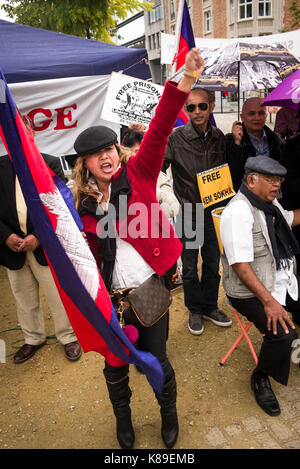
[(93, 19)]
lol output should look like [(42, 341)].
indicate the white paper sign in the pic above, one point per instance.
[(130, 100), (60, 109)]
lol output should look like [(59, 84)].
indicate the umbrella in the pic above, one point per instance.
[(286, 94)]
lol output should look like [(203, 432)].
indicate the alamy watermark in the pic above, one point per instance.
[(2, 92), (295, 356), (295, 91), (2, 351), (141, 221)]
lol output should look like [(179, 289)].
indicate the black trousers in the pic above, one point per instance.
[(151, 339), (275, 352), (154, 339)]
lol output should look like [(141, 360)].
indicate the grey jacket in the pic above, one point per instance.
[(190, 153), (263, 265)]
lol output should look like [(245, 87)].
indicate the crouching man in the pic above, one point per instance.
[(258, 270)]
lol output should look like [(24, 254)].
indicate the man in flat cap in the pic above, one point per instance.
[(258, 270)]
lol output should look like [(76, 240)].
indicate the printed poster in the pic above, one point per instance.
[(130, 100), (215, 185)]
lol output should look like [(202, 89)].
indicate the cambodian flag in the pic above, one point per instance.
[(58, 228), (186, 40)]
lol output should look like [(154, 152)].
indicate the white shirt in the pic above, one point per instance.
[(21, 207), (236, 235), (130, 269)]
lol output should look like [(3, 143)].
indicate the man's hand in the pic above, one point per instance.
[(29, 243), (14, 242), (237, 132), (275, 312)]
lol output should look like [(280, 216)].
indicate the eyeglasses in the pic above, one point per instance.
[(273, 179), (192, 107)]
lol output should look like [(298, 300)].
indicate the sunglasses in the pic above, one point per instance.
[(201, 106)]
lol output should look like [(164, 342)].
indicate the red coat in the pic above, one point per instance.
[(152, 236)]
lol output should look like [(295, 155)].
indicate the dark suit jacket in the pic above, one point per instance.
[(9, 222), (237, 155)]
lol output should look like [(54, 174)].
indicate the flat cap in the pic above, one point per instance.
[(264, 165), (92, 140)]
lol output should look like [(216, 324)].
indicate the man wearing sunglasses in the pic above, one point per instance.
[(193, 148), (258, 270), (251, 137)]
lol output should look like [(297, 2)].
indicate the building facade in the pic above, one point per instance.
[(216, 19)]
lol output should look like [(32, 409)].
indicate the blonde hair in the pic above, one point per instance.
[(81, 175)]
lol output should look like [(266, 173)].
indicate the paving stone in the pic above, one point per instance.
[(296, 406), (281, 431), (266, 441), (295, 444), (290, 394), (216, 437), (252, 424), (233, 429), (287, 411), (296, 425)]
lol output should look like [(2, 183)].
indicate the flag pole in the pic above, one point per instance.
[(178, 31)]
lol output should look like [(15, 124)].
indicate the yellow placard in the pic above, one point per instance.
[(216, 216), (215, 185)]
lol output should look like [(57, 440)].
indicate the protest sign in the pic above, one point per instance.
[(130, 100), (215, 185)]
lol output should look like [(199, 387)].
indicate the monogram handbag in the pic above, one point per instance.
[(145, 304)]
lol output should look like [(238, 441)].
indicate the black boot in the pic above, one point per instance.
[(169, 419), (119, 393)]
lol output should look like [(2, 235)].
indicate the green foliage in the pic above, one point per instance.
[(93, 19)]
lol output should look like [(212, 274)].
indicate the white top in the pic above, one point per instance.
[(21, 207), (130, 269), (236, 235)]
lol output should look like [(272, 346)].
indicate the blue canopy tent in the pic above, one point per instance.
[(30, 54), (60, 81)]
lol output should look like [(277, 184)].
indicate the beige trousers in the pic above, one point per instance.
[(25, 284)]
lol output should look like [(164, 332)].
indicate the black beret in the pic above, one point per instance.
[(92, 140), (264, 165)]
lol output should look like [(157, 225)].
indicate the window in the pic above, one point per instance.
[(264, 8), (154, 41), (245, 9), (172, 9), (156, 14), (207, 21)]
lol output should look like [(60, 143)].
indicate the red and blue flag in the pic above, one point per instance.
[(58, 228), (186, 40)]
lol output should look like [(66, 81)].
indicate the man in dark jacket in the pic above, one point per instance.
[(27, 268), (250, 138), (193, 148)]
